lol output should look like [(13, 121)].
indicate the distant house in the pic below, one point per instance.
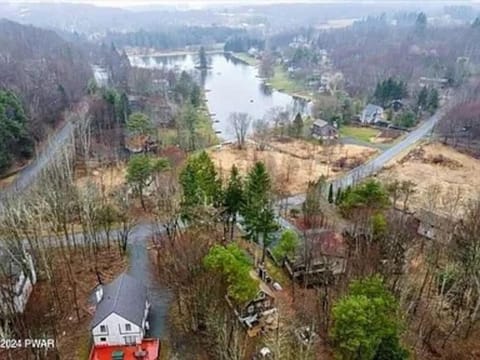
[(323, 130), (321, 259), (437, 83), (135, 103), (253, 52), (17, 278), (121, 312), (434, 226), (371, 114), (396, 105)]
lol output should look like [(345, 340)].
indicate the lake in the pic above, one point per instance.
[(231, 86)]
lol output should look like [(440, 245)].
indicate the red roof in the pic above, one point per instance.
[(150, 346)]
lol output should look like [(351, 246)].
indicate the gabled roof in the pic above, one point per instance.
[(371, 110), (124, 296), (320, 123)]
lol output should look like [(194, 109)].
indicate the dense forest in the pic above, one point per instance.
[(406, 51), (174, 37), (46, 74), (242, 43)]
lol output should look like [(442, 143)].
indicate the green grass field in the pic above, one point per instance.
[(359, 133), (246, 58), (282, 82)]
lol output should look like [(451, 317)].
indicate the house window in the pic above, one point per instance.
[(103, 339), (130, 340), (128, 327), (103, 328)]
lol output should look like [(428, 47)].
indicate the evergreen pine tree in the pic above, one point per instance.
[(433, 100), (256, 199), (233, 199), (422, 98), (476, 23), (200, 183), (330, 194), (298, 125), (338, 197)]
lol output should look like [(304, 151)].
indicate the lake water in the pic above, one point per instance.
[(231, 86)]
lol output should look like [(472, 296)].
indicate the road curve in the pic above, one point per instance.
[(26, 177), (376, 164), (372, 166)]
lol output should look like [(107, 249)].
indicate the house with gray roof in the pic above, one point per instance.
[(121, 312), (17, 278), (322, 130), (371, 114)]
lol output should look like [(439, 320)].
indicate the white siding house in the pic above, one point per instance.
[(121, 312), (17, 277), (371, 114)]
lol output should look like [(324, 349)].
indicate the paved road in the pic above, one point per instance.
[(376, 164), (56, 142), (28, 175)]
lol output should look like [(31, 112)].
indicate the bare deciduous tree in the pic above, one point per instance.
[(261, 133), (240, 123)]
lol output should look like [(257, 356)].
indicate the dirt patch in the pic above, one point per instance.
[(107, 178), (386, 136), (293, 163), (442, 175), (420, 154)]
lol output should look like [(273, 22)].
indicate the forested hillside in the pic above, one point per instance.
[(174, 37), (46, 73)]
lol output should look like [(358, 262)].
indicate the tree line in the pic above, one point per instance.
[(173, 37)]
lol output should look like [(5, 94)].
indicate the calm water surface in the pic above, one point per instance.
[(231, 86)]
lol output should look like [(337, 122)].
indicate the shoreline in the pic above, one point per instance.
[(241, 57), (171, 53)]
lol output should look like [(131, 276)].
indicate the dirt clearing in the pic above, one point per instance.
[(442, 176), (108, 178), (293, 163)]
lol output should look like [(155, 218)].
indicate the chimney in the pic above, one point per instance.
[(99, 293)]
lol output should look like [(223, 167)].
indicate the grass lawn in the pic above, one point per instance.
[(246, 58), (359, 133), (282, 82)]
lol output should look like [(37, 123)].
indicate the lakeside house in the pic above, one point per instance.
[(322, 130), (121, 311), (17, 278), (372, 114)]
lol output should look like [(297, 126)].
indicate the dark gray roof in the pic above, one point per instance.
[(124, 296), (320, 123), (371, 109)]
